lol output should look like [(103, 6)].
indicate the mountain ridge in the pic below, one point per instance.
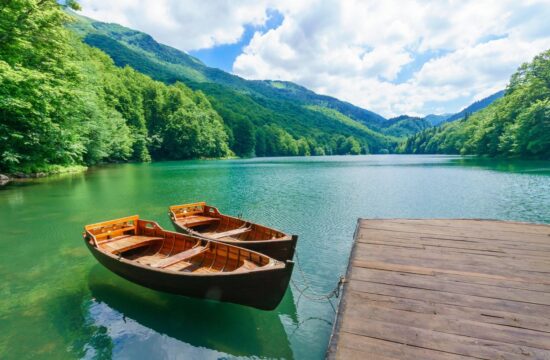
[(293, 108), (516, 124), (174, 56), (476, 106), (284, 102)]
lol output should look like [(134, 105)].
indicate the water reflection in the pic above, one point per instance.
[(516, 166), (178, 325)]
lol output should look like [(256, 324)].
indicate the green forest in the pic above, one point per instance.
[(75, 92), (516, 125), (65, 103)]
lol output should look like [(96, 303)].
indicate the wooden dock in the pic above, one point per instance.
[(445, 289)]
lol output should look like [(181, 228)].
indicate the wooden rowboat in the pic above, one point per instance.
[(206, 221), (142, 252)]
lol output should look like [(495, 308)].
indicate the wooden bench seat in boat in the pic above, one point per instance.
[(196, 220), (124, 243), (189, 219), (171, 260), (229, 233), (246, 266)]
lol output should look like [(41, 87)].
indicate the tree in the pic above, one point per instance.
[(261, 144), (516, 125), (245, 139), (63, 102)]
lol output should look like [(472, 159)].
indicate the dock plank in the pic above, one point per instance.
[(445, 289)]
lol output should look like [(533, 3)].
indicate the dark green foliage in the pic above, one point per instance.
[(245, 140), (36, 88), (348, 146), (404, 125), (193, 129), (517, 125), (64, 103)]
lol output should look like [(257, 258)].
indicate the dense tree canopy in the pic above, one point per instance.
[(63, 102), (517, 125)]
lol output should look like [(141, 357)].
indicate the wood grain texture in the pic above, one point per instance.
[(205, 221), (445, 289)]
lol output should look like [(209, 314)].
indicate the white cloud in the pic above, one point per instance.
[(184, 24), (358, 50)]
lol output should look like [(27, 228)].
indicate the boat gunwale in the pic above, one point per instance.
[(198, 234), (276, 266), (173, 217), (273, 264)]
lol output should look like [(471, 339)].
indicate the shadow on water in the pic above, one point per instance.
[(228, 328)]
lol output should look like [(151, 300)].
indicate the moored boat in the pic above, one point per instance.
[(144, 253), (206, 221)]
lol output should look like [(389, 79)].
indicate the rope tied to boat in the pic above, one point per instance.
[(314, 296), (307, 291)]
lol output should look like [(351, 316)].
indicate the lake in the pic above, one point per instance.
[(57, 302)]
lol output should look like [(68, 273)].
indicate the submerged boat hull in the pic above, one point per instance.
[(262, 289)]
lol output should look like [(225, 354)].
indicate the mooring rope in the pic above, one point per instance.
[(299, 324), (312, 295)]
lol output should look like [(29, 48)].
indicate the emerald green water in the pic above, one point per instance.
[(56, 302)]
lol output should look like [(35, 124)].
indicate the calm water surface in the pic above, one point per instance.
[(57, 302)]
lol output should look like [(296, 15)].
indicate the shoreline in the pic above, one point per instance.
[(6, 178), (58, 170)]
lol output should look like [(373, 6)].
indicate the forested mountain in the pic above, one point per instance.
[(516, 125), (476, 106), (435, 120), (168, 64), (276, 109), (405, 125), (63, 102)]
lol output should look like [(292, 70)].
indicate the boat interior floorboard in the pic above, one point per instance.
[(127, 242), (171, 260), (197, 220), (229, 233)]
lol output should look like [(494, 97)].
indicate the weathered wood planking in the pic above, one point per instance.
[(445, 289)]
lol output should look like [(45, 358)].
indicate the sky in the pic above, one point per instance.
[(391, 57)]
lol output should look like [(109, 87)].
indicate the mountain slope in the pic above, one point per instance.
[(405, 125), (435, 120), (515, 125), (180, 63), (259, 103), (476, 106)]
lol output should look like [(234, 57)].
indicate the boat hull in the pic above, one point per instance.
[(262, 289), (281, 250)]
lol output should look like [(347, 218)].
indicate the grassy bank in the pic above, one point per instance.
[(37, 172)]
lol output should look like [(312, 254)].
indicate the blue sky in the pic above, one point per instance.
[(223, 56), (393, 57)]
